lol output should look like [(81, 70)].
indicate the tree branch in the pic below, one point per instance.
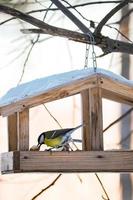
[(55, 31), (25, 17), (108, 16), (125, 138), (107, 44), (56, 9), (102, 186), (72, 17), (68, 7), (118, 119), (123, 17), (46, 188)]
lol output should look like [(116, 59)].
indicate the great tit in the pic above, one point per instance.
[(55, 138)]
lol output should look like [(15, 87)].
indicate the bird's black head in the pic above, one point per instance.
[(41, 139)]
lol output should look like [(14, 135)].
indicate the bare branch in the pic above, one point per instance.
[(25, 17), (56, 9), (72, 17), (78, 5), (25, 62), (8, 20), (105, 43), (91, 22), (109, 15), (103, 188), (57, 122), (47, 29), (46, 188), (55, 31), (119, 32), (123, 17), (31, 48), (125, 138), (118, 119), (68, 7), (79, 178)]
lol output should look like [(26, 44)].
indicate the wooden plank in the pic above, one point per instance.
[(18, 131), (96, 118), (117, 90), (72, 88), (12, 132), (78, 161), (86, 118), (117, 98), (92, 118), (23, 130), (7, 160), (114, 85), (10, 162)]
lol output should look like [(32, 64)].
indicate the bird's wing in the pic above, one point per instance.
[(59, 132), (56, 133)]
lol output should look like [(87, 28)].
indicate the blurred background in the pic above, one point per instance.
[(21, 61)]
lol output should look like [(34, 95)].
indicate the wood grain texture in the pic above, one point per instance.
[(92, 119), (78, 161), (117, 90), (23, 130), (86, 118), (113, 88), (117, 98), (96, 118), (7, 160), (12, 132), (60, 92)]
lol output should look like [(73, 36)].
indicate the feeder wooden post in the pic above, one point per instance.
[(86, 117), (12, 132), (18, 131), (23, 130), (92, 118)]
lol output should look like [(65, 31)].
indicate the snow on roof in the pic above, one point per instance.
[(39, 86)]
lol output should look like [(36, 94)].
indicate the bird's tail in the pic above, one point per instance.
[(74, 129), (77, 127)]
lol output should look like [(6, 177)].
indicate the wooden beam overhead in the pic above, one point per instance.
[(117, 90)]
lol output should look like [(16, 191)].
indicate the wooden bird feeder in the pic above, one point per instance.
[(92, 86)]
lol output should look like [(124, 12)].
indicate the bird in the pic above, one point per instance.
[(55, 138)]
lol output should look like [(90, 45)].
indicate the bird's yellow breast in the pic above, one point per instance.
[(53, 142)]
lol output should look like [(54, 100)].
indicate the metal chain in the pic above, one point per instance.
[(92, 41), (86, 55)]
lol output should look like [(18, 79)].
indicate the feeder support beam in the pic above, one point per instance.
[(18, 131), (92, 118)]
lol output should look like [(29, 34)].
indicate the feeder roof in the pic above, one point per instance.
[(26, 92)]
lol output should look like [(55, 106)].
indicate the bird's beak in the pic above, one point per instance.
[(39, 145)]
